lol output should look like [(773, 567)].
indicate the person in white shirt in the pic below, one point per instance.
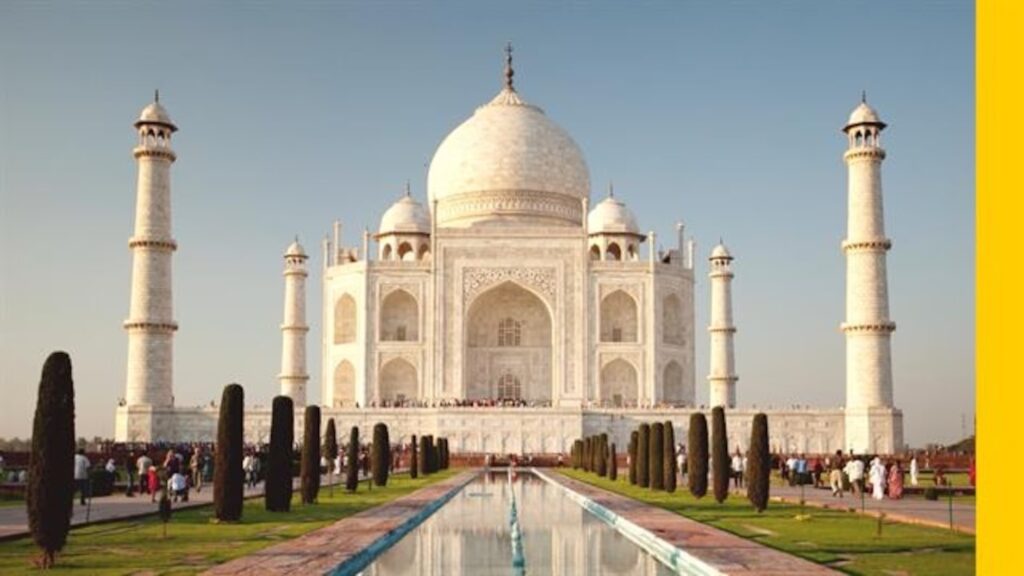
[(855, 472), (913, 471), (142, 465), (737, 469), (877, 477), (111, 467), (81, 475), (247, 470), (178, 487)]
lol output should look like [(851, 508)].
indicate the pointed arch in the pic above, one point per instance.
[(399, 317), (344, 385), (345, 320), (405, 251), (618, 318), (618, 383), (398, 381), (595, 252), (672, 329), (673, 391), (613, 252), (385, 253)]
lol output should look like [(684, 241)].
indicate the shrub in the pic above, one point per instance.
[(330, 450), (634, 439), (227, 477), (669, 451), (413, 460), (759, 463), (721, 464), (352, 470), (602, 454), (643, 478), (424, 455), (613, 463), (51, 462), (444, 454), (101, 483), (380, 458), (656, 456), (277, 493), (310, 483), (931, 493), (697, 455), (587, 461)]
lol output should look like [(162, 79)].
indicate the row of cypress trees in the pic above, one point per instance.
[(652, 461), (431, 456)]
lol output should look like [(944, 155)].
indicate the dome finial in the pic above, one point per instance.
[(408, 190), (509, 73), (864, 96), (611, 189), (156, 95)]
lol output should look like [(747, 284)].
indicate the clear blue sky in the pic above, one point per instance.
[(726, 116)]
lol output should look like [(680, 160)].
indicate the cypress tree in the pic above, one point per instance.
[(277, 494), (432, 449), (656, 456), (352, 469), (720, 462), (697, 455), (444, 453), (602, 455), (613, 463), (586, 454), (311, 455), (759, 465), (643, 478), (330, 451), (227, 469), (413, 460), (424, 456), (51, 473), (380, 458), (634, 439), (669, 451), (577, 447)]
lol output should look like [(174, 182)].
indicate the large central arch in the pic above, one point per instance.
[(508, 336)]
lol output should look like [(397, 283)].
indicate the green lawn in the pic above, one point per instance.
[(193, 543), (842, 540)]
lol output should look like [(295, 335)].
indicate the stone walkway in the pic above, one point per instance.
[(14, 519), (322, 550), (726, 552), (914, 510)]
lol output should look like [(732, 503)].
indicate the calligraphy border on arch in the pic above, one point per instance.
[(476, 280)]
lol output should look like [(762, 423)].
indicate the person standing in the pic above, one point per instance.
[(129, 469), (835, 475), (855, 472), (877, 477), (142, 465), (913, 470), (737, 469), (81, 475), (196, 467), (896, 481)]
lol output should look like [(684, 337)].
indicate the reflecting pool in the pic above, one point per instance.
[(473, 535)]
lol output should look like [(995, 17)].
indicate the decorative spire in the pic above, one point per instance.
[(611, 189), (864, 96), (509, 73), (408, 191), (156, 95)]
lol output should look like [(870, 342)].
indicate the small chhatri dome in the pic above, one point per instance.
[(611, 216), (406, 216), (720, 252), (863, 114), (295, 249), (508, 162), (155, 113)]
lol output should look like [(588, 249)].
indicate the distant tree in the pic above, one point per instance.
[(613, 463), (352, 468), (310, 466), (277, 490), (602, 454), (759, 464), (424, 455), (444, 452), (668, 466), (432, 451), (634, 440), (380, 458), (413, 460), (330, 450), (643, 478), (697, 455), (720, 461), (51, 472), (164, 510), (656, 456), (227, 469)]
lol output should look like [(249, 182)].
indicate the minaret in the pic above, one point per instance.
[(722, 378), (867, 326), (293, 375), (150, 322)]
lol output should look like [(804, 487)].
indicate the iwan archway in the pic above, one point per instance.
[(508, 339)]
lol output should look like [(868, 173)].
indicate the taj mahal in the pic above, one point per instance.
[(511, 311)]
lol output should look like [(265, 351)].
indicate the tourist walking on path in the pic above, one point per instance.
[(196, 468), (152, 483), (130, 469), (913, 470), (81, 475), (142, 465), (835, 475), (855, 472), (896, 481), (877, 478), (737, 469)]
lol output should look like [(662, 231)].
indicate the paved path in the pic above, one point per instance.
[(14, 519), (726, 552), (322, 550), (914, 510)]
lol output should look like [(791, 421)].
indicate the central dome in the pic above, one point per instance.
[(508, 163)]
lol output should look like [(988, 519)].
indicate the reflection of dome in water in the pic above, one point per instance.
[(508, 162)]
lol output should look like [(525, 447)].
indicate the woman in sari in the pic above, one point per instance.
[(896, 481)]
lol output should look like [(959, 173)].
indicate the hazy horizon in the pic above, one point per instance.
[(726, 117)]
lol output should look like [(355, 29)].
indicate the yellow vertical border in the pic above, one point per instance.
[(1000, 284)]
